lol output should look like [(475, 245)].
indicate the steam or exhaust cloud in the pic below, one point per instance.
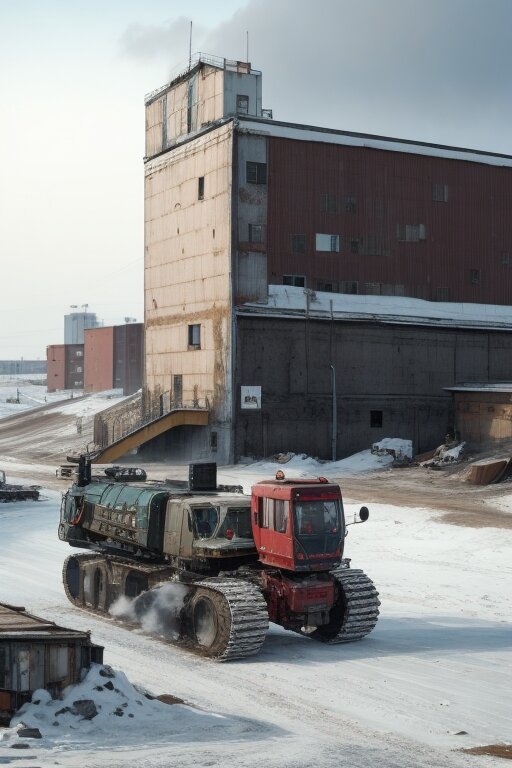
[(157, 611), (150, 41), (436, 71)]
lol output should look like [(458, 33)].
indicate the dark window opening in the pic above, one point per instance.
[(350, 205), (328, 203), (242, 104), (213, 441), (298, 243), (297, 280), (255, 233), (474, 276), (200, 188), (194, 336), (440, 193), (349, 286), (328, 286), (354, 245), (256, 173), (375, 419)]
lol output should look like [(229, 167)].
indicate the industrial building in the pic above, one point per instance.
[(35, 653), (110, 357), (252, 224), (113, 358)]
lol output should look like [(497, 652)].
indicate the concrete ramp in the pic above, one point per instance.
[(177, 418)]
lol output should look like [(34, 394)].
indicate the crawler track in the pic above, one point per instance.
[(244, 628), (222, 618), (356, 611)]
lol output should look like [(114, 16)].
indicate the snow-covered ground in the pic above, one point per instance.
[(437, 664), (434, 676)]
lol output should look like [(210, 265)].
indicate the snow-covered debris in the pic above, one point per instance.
[(104, 708), (395, 446)]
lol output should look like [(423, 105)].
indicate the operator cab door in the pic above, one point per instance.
[(272, 531)]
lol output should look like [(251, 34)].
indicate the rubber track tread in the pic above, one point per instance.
[(249, 616), (362, 605)]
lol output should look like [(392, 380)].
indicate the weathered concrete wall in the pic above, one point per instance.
[(396, 372), (188, 276)]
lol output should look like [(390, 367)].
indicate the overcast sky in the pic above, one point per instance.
[(73, 76)]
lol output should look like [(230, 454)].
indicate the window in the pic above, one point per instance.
[(374, 246), (213, 441), (354, 245), (350, 204), (375, 419), (242, 104), (327, 242), (266, 512), (78, 369), (411, 233), (255, 233), (280, 515), (440, 193), (474, 276), (194, 336), (200, 188), (298, 243), (297, 280), (349, 286), (442, 293), (505, 259), (328, 286), (256, 173), (79, 353), (328, 203)]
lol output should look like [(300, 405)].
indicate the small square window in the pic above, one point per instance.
[(375, 419), (194, 336), (328, 203), (298, 243), (255, 233), (200, 188), (256, 173)]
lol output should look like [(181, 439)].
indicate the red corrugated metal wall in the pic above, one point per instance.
[(466, 253)]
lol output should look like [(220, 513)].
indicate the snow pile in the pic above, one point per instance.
[(395, 446), (105, 706)]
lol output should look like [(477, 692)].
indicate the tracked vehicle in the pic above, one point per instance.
[(277, 554)]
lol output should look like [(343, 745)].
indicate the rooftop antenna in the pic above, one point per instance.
[(247, 46), (190, 48)]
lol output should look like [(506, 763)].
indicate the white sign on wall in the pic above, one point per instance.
[(251, 397)]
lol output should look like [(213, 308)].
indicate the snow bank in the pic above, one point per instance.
[(104, 708)]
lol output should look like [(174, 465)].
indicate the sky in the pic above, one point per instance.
[(73, 76)]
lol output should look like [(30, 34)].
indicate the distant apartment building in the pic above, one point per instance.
[(65, 366), (75, 324), (113, 357)]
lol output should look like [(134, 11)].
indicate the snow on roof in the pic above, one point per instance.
[(291, 301), (348, 138), (499, 386)]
